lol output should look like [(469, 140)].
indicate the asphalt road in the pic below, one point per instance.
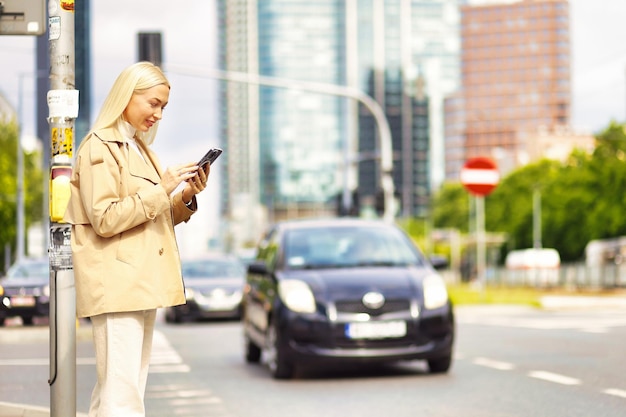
[(508, 362)]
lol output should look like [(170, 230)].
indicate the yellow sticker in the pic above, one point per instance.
[(61, 141), (67, 5)]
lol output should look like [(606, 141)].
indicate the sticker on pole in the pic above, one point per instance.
[(480, 175), (63, 103)]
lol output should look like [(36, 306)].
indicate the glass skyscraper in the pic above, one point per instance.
[(294, 151)]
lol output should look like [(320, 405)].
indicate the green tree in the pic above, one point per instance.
[(33, 187), (509, 208), (582, 199), (450, 207)]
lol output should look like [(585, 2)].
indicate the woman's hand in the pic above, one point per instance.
[(197, 183), (173, 176)]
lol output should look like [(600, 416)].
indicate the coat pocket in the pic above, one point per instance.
[(132, 245)]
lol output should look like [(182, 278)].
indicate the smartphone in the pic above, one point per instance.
[(209, 157)]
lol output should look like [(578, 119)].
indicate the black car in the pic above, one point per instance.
[(25, 291), (213, 289), (344, 290)]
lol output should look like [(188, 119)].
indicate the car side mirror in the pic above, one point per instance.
[(438, 262), (257, 267)]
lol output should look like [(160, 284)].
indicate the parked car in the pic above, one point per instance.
[(25, 291), (213, 289), (344, 290)]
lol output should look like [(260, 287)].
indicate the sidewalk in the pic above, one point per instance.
[(22, 410)]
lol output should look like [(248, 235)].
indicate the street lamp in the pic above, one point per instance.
[(21, 232), (20, 172), (384, 132)]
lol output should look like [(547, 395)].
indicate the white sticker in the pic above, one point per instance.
[(54, 28), (63, 103)]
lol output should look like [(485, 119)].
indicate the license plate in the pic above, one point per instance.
[(22, 301), (376, 330)]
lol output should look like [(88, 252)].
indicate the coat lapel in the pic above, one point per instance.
[(138, 167)]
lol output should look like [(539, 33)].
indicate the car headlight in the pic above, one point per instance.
[(297, 296), (435, 292), (1, 291)]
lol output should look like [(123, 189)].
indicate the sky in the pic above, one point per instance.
[(189, 127)]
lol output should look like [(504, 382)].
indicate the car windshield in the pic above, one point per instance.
[(26, 270), (213, 268), (349, 246)]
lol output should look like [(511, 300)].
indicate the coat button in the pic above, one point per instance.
[(161, 251)]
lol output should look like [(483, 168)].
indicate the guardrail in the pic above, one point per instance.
[(568, 276)]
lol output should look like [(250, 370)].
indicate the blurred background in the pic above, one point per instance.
[(536, 85)]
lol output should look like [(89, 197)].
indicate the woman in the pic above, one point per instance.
[(122, 212)]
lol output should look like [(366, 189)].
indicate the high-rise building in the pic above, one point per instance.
[(284, 145), (515, 76), (435, 51), (295, 151), (412, 49)]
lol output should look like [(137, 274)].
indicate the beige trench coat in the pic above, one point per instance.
[(124, 249)]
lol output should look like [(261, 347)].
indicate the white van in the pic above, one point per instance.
[(535, 267)]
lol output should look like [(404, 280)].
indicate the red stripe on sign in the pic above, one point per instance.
[(480, 176)]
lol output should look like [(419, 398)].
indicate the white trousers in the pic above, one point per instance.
[(123, 344)]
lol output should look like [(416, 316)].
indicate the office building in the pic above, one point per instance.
[(515, 79), (294, 151)]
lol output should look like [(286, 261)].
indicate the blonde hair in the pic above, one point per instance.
[(133, 79)]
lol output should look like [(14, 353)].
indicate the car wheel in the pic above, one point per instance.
[(275, 357), (440, 365), (169, 316), (253, 352), (2, 321), (174, 317), (27, 321)]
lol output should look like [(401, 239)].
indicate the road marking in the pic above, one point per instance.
[(595, 330), (502, 366), (195, 401), (178, 393), (556, 378), (164, 358), (616, 392)]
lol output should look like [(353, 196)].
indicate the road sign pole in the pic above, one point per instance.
[(480, 176), (481, 258)]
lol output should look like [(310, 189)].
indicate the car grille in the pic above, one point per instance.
[(357, 306), (20, 291)]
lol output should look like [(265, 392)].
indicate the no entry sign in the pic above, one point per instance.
[(480, 175)]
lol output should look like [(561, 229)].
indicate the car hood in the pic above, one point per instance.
[(348, 283), (25, 282)]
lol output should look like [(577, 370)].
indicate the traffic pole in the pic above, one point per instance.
[(480, 176), (62, 112)]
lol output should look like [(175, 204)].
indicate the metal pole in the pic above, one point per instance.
[(480, 241), (20, 173), (63, 110), (537, 244), (386, 162)]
